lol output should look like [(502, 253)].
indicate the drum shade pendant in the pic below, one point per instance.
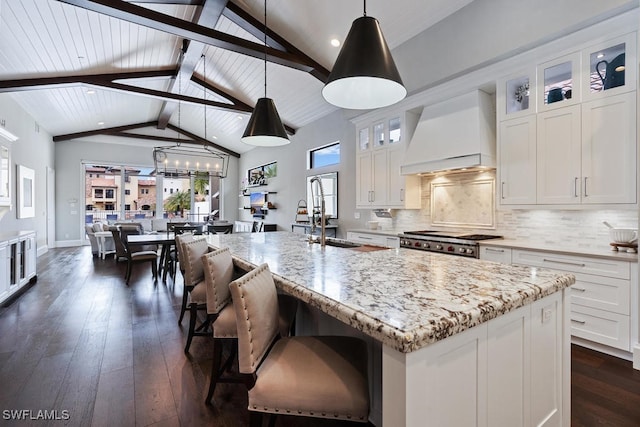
[(265, 129), (364, 75)]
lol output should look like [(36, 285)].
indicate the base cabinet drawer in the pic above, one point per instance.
[(489, 253), (575, 264), (601, 292), (373, 239), (601, 326)]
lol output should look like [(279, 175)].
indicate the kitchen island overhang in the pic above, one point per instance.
[(414, 302)]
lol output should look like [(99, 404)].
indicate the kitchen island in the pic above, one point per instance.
[(464, 341)]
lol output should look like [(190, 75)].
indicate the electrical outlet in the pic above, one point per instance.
[(546, 314), (356, 215)]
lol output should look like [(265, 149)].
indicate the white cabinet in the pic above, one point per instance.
[(381, 147), (601, 312), (609, 150), (5, 270), (587, 153), (373, 239), (517, 161), (17, 263), (558, 158), (489, 253), (570, 140)]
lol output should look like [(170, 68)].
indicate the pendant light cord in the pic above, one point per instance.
[(365, 7), (204, 96), (265, 48), (179, 106)]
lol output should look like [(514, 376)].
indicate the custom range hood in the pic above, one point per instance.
[(454, 134)]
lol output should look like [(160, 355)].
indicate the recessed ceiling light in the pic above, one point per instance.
[(100, 123), (239, 117), (91, 91), (600, 55), (214, 137), (335, 42)]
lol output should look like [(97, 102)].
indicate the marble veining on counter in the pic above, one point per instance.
[(406, 299)]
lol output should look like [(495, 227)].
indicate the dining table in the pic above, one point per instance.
[(166, 240)]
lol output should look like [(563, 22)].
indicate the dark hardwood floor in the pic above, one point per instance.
[(81, 341)]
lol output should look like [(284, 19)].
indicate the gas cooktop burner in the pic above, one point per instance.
[(444, 242)]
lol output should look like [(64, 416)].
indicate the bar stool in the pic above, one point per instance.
[(323, 377)]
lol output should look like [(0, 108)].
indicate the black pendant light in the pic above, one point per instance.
[(265, 129), (364, 75)]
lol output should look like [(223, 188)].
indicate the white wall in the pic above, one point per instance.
[(485, 31), (69, 157), (34, 150)]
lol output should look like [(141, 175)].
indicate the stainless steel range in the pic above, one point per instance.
[(460, 244)]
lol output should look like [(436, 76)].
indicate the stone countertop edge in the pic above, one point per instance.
[(409, 341), (603, 253)]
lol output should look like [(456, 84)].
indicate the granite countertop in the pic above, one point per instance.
[(404, 298), (599, 252)]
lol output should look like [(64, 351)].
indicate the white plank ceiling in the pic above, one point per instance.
[(47, 38)]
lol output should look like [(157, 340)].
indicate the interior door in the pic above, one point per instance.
[(51, 208)]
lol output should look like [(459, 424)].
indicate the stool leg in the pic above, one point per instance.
[(215, 368), (193, 314)]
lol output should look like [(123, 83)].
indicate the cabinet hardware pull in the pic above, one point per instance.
[(364, 238), (575, 188), (578, 264), (494, 250), (402, 194), (582, 322), (585, 187), (578, 289), (502, 189)]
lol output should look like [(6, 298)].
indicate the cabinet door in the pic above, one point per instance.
[(379, 178), (4, 271), (517, 169), (30, 258), (558, 159), (609, 149), (364, 185)]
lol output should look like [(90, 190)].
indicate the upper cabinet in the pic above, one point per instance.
[(609, 68), (572, 142), (559, 82), (516, 95), (381, 145)]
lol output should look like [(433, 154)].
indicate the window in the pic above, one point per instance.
[(109, 193), (98, 193), (127, 192), (324, 156), (109, 206), (127, 207)]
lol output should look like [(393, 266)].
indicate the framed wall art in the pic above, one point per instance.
[(5, 175), (26, 192)]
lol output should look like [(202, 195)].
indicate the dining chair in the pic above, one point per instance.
[(258, 226), (312, 376), (180, 240), (134, 256), (243, 226), (194, 278)]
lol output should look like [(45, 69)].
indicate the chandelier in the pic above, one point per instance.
[(185, 160)]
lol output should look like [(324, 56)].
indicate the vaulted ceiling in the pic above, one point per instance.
[(88, 69)]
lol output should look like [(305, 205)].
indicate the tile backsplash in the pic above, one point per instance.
[(581, 228)]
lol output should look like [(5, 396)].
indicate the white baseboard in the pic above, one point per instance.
[(606, 349), (42, 250), (636, 357), (70, 243)]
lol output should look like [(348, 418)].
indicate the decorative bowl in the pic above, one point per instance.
[(623, 235)]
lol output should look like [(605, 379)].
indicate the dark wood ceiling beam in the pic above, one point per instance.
[(173, 96), (206, 16), (94, 132), (153, 138), (211, 88), (16, 85), (247, 22), (183, 2), (195, 137), (159, 21)]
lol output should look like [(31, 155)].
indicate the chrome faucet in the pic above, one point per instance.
[(323, 217)]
